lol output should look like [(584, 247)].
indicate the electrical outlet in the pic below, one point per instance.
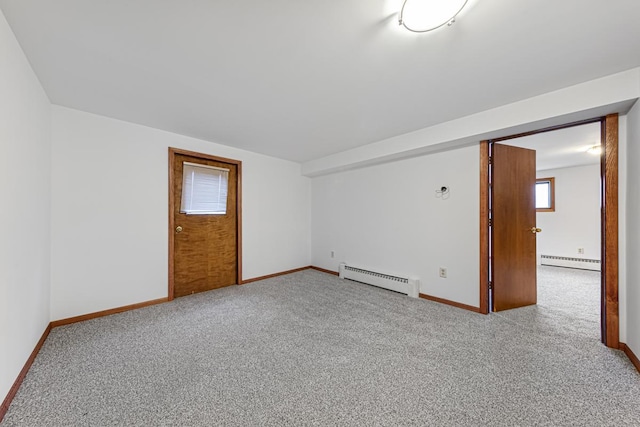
[(333, 254), (443, 272), (580, 250)]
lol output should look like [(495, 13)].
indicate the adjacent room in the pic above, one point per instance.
[(304, 213), (568, 191)]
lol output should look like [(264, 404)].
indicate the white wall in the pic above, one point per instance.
[(25, 119), (576, 220), (632, 291), (622, 226), (595, 98), (110, 217), (388, 217)]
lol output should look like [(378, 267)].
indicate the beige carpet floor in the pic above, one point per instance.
[(308, 349)]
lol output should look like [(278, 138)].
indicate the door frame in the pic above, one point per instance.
[(172, 155), (610, 321)]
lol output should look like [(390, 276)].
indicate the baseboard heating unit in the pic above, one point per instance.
[(405, 285), (563, 261)]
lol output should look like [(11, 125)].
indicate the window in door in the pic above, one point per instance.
[(204, 189)]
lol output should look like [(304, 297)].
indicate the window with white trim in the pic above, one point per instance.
[(204, 189)]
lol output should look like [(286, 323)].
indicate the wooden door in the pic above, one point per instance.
[(205, 246), (513, 229)]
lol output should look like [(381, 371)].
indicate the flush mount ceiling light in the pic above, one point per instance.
[(596, 150), (421, 16)]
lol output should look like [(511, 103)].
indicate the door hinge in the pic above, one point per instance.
[(490, 160), (490, 285), (490, 222)]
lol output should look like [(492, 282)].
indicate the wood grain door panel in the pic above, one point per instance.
[(513, 215), (206, 249)]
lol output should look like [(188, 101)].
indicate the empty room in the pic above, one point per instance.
[(320, 213)]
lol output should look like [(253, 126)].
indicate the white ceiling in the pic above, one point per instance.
[(304, 79), (562, 148)]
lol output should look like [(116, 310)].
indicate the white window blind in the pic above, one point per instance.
[(204, 189)]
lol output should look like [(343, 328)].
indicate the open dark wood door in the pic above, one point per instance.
[(513, 229)]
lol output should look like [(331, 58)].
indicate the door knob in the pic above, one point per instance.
[(535, 230), (178, 229)]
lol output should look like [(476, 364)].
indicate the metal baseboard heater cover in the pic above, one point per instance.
[(404, 285), (570, 262)]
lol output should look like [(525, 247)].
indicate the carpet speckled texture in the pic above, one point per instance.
[(568, 303), (307, 349)]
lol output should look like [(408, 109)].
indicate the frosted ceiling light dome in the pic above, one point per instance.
[(421, 16)]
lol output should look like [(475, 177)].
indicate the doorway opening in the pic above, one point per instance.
[(606, 250)]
